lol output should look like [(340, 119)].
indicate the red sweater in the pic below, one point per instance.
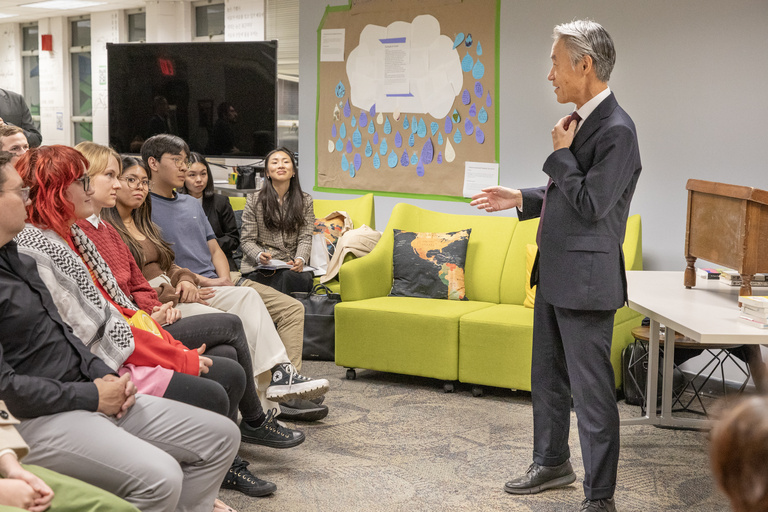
[(120, 260)]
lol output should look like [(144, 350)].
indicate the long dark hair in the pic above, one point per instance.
[(208, 191), (142, 219), (294, 219)]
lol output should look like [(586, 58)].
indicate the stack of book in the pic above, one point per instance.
[(733, 278), (754, 310)]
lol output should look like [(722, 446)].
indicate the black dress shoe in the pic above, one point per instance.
[(540, 478), (604, 505)]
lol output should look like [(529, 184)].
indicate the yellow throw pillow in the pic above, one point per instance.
[(530, 257)]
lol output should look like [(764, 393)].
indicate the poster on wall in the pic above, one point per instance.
[(412, 100)]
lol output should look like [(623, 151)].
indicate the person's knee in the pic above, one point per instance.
[(158, 482)]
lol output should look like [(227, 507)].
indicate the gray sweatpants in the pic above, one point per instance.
[(161, 456)]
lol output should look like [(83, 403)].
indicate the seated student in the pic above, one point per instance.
[(739, 454), (13, 140), (198, 183), (90, 421), (159, 364), (105, 174), (35, 488), (278, 221), (184, 225)]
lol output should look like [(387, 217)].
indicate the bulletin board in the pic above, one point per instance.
[(415, 97)]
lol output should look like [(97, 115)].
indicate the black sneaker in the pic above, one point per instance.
[(288, 384), (605, 505), (271, 433), (302, 410), (318, 400), (240, 479)]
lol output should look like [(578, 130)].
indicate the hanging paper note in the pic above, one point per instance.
[(353, 122), (455, 117), (375, 137), (343, 131), (450, 153), (478, 71), (478, 89), (349, 146), (404, 160), (468, 128), (344, 163), (433, 127), (448, 125), (358, 161), (371, 129), (457, 136), (468, 40), (478, 176), (488, 101), (439, 157), (420, 169), (383, 148), (387, 127), (479, 49), (330, 146), (427, 152), (472, 110), (439, 139), (398, 140), (340, 90), (380, 118), (357, 138), (422, 131), (465, 99), (376, 161), (347, 110), (392, 160), (414, 159), (368, 149), (483, 115), (339, 145), (458, 40), (411, 140), (363, 119), (479, 136), (466, 63)]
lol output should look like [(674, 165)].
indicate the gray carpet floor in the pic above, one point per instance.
[(397, 443)]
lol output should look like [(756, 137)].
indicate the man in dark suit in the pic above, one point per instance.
[(579, 268), (14, 111)]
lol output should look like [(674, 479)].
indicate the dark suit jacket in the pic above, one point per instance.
[(219, 212), (14, 110), (581, 263)]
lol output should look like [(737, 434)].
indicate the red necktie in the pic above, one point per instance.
[(573, 117)]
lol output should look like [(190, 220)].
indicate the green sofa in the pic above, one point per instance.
[(483, 341)]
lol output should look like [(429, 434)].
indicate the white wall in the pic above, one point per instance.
[(691, 73)]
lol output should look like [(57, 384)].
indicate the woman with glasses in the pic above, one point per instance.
[(278, 221), (99, 313), (199, 184)]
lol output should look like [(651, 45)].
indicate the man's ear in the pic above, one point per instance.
[(153, 163), (586, 64)]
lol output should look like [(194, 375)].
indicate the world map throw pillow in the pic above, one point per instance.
[(331, 230), (429, 265)]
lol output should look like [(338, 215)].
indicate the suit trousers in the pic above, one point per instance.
[(572, 357), (161, 455)]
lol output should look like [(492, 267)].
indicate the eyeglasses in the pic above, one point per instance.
[(23, 192), (86, 181), (135, 183), (179, 162)]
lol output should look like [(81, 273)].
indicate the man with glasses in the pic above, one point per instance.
[(13, 140), (14, 112)]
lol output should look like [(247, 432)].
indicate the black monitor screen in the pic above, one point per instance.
[(219, 97)]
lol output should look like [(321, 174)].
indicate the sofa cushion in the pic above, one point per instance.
[(429, 265), (530, 259)]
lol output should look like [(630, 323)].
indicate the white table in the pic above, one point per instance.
[(707, 313)]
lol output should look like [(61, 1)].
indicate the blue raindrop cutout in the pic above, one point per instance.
[(353, 122), (398, 140), (411, 140), (468, 128), (478, 71), (373, 110), (422, 131), (344, 163), (333, 131), (439, 157), (433, 127), (392, 160), (368, 149), (488, 101), (404, 160), (347, 110), (339, 145), (343, 131), (455, 117), (483, 115), (387, 126), (420, 169), (448, 125), (375, 137), (405, 123), (457, 41), (439, 139), (363, 118), (376, 161), (457, 136), (371, 128), (383, 148), (465, 99), (479, 136), (349, 146), (414, 159), (357, 138), (414, 125), (340, 89), (479, 49), (358, 161), (478, 90), (427, 152), (466, 63), (472, 110), (468, 40)]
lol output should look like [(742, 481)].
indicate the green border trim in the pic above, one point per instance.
[(434, 197)]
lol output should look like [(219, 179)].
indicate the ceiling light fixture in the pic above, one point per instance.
[(63, 4)]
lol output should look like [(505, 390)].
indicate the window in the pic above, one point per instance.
[(282, 23), (82, 96), (137, 26), (209, 21), (30, 46)]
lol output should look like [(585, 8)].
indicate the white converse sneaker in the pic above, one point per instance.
[(288, 384)]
